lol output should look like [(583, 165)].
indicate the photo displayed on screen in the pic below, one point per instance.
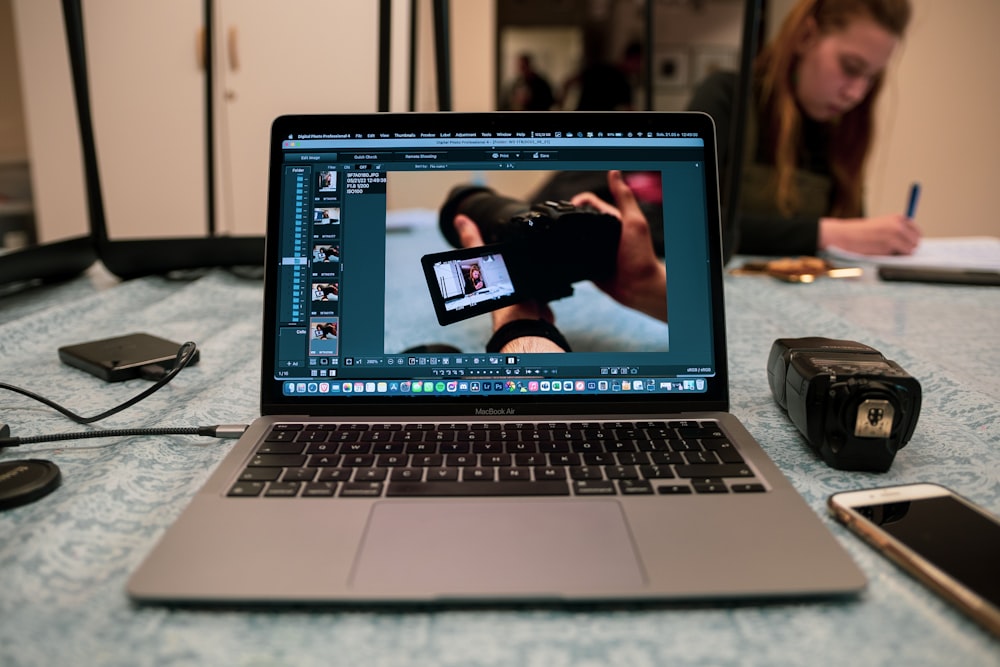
[(564, 262)]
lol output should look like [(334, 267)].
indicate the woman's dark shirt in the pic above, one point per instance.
[(764, 230)]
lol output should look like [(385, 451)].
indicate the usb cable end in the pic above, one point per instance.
[(223, 430)]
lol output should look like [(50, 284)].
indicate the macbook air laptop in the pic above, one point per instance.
[(403, 457)]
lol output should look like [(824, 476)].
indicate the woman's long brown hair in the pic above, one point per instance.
[(852, 135)]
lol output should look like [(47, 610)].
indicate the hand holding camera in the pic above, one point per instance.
[(536, 253), (640, 280)]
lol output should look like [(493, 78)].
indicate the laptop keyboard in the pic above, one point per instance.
[(529, 459)]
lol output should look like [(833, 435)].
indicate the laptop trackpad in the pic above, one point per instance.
[(498, 547)]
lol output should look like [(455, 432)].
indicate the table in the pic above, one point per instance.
[(64, 560)]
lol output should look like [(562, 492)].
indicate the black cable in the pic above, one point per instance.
[(184, 356), (216, 431)]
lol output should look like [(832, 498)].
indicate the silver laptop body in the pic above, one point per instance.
[(397, 461)]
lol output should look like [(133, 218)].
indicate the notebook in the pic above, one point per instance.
[(402, 458)]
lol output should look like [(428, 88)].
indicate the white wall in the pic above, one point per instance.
[(938, 120), (53, 135), (13, 143)]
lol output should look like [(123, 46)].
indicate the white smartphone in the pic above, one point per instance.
[(944, 540)]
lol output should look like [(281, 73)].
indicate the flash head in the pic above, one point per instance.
[(855, 408)]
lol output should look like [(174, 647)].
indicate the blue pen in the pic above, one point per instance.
[(911, 207)]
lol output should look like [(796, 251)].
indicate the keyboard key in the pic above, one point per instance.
[(361, 490), (427, 461), (299, 475), (747, 488), (278, 461), (324, 461), (621, 472), (506, 488), (391, 460), (604, 459), (711, 487), (713, 470), (280, 448), (585, 472), (311, 448), (656, 472), (587, 487), (500, 460), (700, 457), (371, 474), (700, 433), (312, 436), (632, 458), (246, 489), (359, 460), (287, 427), (472, 474), (564, 459), (674, 489), (530, 459), (376, 436), (282, 489), (319, 489), (260, 474), (666, 458), (514, 473), (635, 487), (724, 450), (442, 475), (333, 475)]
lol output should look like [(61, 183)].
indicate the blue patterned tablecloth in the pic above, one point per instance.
[(64, 560)]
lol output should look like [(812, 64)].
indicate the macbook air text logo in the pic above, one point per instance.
[(481, 412)]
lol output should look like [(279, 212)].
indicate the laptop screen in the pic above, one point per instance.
[(374, 298)]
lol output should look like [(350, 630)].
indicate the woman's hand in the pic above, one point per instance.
[(893, 234)]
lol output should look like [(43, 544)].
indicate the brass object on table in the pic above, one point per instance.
[(796, 269)]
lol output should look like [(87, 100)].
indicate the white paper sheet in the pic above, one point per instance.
[(960, 252)]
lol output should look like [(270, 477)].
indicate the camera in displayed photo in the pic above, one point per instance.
[(532, 252)]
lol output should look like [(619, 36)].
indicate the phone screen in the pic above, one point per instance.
[(952, 536), (471, 281)]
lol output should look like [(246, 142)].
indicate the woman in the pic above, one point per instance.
[(810, 131), (474, 280)]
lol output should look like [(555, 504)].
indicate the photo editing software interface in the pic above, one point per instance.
[(350, 279)]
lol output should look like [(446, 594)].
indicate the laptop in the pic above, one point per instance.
[(399, 460)]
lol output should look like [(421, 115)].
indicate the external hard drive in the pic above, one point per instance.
[(124, 357)]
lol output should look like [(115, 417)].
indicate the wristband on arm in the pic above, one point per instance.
[(520, 329)]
